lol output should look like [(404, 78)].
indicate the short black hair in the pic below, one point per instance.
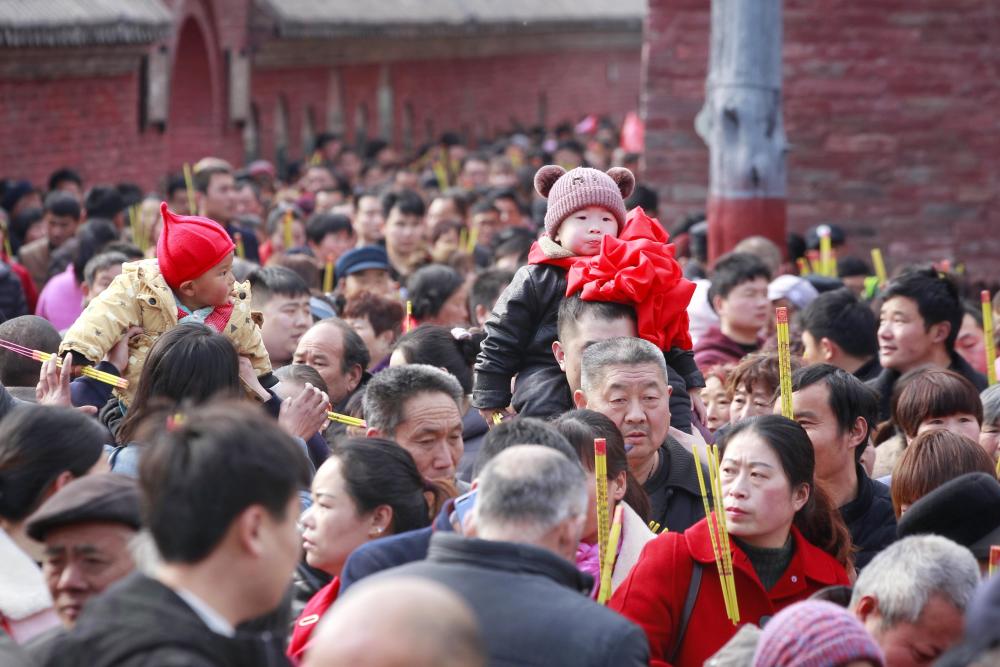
[(28, 331), (407, 201), (936, 296), (841, 317), (430, 287), (853, 266), (60, 176), (37, 444), (203, 177), (521, 431), (643, 196), (202, 470), (321, 224), (62, 204), (734, 269), (573, 308), (271, 281), (486, 289), (508, 193), (20, 224), (104, 202), (849, 398), (323, 138), (485, 206), (175, 183)]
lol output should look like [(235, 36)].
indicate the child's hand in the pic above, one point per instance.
[(118, 355), (494, 416), (304, 415)]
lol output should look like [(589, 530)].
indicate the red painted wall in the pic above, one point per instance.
[(890, 111), (92, 123)]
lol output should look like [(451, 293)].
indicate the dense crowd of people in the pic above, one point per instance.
[(379, 409)]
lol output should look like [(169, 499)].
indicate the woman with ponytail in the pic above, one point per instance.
[(787, 542), (580, 427), (369, 488)]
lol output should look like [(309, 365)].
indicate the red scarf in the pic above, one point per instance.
[(217, 319), (310, 616)]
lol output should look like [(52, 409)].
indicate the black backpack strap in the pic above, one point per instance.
[(689, 601)]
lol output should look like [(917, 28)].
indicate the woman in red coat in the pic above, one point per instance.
[(369, 488), (788, 542)]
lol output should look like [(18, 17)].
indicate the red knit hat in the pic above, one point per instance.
[(189, 246)]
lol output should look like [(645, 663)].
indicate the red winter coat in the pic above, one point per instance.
[(653, 596), (311, 615)]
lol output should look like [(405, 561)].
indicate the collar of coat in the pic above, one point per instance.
[(509, 557), (547, 251), (808, 561)]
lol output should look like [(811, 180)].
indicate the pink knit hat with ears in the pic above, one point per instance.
[(570, 191)]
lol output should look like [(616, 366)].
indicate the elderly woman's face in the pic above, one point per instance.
[(757, 495)]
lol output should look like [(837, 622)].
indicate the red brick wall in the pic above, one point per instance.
[(92, 123), (890, 111)]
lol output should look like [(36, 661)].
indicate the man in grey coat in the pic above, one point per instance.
[(518, 573)]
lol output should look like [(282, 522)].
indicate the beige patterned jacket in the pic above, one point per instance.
[(140, 297)]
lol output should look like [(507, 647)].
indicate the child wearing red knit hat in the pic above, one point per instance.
[(190, 280), (594, 247)]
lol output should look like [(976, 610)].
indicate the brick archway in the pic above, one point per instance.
[(194, 121)]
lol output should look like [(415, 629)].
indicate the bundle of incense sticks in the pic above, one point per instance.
[(473, 239), (803, 266), (241, 250), (346, 419), (717, 532), (89, 371), (784, 363), (879, 265), (827, 264), (189, 184), (287, 224), (328, 275), (601, 477), (463, 238), (408, 322), (609, 557), (135, 222), (990, 343)]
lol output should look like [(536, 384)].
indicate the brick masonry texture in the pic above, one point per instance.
[(890, 111)]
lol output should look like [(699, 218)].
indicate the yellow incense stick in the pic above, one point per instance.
[(189, 184), (407, 323), (6, 246), (803, 266), (709, 523), (473, 239), (328, 275), (784, 363), (601, 480), (241, 250), (497, 418), (442, 175), (288, 229), (879, 265), (990, 342), (825, 250), (463, 238), (723, 528), (346, 419), (609, 558)]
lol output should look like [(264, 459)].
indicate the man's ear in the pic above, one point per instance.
[(718, 302), (579, 399), (827, 348), (354, 376), (373, 432), (866, 608), (248, 527), (858, 432), (559, 354), (939, 332)]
